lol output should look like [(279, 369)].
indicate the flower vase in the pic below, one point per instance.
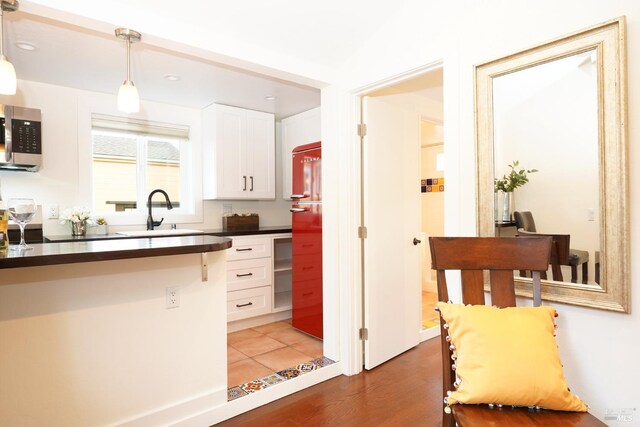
[(507, 207), (79, 228)]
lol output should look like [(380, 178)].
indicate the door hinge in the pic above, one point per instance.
[(362, 129), (362, 232), (364, 334)]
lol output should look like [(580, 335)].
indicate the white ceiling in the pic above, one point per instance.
[(324, 33)]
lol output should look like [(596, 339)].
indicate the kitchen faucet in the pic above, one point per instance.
[(150, 222)]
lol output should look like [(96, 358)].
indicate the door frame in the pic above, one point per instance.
[(356, 357)]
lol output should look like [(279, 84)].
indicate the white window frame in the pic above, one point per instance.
[(190, 160)]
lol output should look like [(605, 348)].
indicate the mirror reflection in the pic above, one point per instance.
[(546, 120)]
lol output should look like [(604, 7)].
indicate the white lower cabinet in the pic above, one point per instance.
[(258, 276), (248, 303)]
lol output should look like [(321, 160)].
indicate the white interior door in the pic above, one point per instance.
[(392, 215)]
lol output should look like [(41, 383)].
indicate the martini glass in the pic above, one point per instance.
[(22, 211)]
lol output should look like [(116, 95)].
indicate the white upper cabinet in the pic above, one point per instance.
[(238, 153), (303, 128)]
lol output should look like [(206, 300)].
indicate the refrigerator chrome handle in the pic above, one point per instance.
[(294, 210), (8, 134), (299, 196)]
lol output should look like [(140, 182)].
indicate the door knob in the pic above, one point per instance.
[(416, 241)]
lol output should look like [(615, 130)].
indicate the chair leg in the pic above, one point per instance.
[(585, 272), (574, 274)]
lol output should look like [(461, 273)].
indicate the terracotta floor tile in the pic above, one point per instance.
[(234, 355), (258, 345), (242, 335), (283, 358), (310, 346), (272, 327), (288, 336), (244, 371)]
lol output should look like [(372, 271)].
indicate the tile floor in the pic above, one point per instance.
[(430, 317), (264, 350)]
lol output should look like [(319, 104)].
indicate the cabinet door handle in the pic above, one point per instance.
[(244, 275), (244, 177), (298, 196), (251, 178), (243, 249), (294, 210), (244, 305)]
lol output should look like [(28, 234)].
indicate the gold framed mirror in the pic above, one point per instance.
[(558, 111)]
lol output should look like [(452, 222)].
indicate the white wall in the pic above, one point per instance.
[(93, 344), (598, 348), (64, 177)]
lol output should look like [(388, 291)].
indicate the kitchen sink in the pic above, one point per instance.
[(159, 233)]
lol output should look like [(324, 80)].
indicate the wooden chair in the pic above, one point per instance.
[(500, 256), (559, 253), (574, 258)]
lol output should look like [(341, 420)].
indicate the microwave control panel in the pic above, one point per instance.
[(26, 136)]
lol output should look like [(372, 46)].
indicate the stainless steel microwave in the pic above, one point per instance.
[(20, 138)]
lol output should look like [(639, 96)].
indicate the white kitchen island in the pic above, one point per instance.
[(91, 342)]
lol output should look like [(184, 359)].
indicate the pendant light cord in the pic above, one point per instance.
[(129, 59), (1, 32)]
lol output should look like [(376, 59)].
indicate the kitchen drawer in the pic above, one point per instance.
[(307, 267), (307, 244), (249, 247), (248, 303), (249, 273)]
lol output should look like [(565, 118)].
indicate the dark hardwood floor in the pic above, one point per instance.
[(405, 391)]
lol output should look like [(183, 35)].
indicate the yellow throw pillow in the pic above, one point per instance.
[(507, 356)]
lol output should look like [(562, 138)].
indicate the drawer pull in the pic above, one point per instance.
[(308, 245), (244, 249), (244, 305), (244, 275), (307, 268), (306, 294)]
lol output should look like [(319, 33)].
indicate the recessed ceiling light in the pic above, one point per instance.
[(26, 46), (270, 98), (172, 77)]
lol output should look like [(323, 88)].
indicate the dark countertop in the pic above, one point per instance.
[(103, 250), (219, 233)]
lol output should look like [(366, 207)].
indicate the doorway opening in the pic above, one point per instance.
[(396, 266)]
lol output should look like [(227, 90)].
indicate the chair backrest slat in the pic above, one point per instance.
[(503, 293), (472, 287)]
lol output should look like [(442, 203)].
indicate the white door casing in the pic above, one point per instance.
[(391, 196)]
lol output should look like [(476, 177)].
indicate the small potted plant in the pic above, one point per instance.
[(78, 217), (101, 226), (507, 184)]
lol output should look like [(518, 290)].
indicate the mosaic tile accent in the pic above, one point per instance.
[(290, 373), (253, 386), (273, 379), (432, 185), (235, 392)]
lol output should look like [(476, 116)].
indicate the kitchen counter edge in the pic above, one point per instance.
[(44, 254)]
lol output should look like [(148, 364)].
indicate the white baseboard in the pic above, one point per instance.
[(427, 334), (170, 414), (243, 404)]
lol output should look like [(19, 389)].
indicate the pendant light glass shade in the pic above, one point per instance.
[(8, 82), (128, 98)]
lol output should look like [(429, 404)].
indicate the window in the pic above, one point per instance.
[(131, 158)]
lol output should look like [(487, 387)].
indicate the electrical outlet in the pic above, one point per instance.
[(173, 297), (53, 212)]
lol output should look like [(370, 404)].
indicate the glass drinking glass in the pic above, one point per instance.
[(22, 211)]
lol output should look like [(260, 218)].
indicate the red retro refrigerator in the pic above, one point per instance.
[(306, 224)]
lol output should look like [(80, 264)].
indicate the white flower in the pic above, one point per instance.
[(75, 214)]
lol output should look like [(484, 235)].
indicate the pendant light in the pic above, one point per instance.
[(128, 98), (8, 81)]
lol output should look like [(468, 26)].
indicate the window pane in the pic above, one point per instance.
[(163, 168), (114, 172)]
